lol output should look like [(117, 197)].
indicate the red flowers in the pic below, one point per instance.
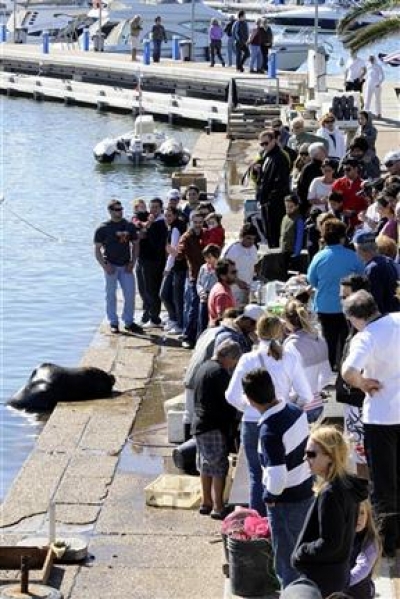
[(245, 524)]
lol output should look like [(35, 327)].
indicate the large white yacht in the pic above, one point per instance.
[(301, 17)]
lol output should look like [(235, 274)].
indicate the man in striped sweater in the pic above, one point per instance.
[(287, 478)]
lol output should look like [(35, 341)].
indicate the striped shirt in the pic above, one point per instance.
[(283, 437)]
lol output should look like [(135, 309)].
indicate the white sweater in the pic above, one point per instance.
[(286, 374)]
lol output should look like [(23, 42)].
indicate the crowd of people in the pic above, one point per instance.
[(265, 374)]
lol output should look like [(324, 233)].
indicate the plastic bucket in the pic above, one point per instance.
[(251, 567)]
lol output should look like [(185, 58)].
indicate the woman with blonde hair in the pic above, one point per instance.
[(286, 371), (313, 351), (325, 544)]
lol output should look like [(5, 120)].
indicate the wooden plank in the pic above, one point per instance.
[(39, 558)]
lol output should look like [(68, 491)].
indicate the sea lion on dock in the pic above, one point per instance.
[(50, 384)]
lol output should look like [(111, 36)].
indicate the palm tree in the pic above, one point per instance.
[(387, 27)]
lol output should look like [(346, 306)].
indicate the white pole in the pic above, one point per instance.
[(14, 20), (316, 44), (192, 32)]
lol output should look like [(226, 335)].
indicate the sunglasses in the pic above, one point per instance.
[(116, 209), (265, 143), (310, 455), (329, 122), (303, 153), (348, 168), (389, 164)]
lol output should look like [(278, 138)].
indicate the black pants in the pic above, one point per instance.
[(382, 444), (215, 49), (335, 330), (242, 54), (354, 86), (149, 276), (272, 215)]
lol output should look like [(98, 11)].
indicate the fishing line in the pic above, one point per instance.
[(27, 222)]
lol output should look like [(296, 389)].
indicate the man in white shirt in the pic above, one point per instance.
[(354, 73), (373, 366), (244, 254)]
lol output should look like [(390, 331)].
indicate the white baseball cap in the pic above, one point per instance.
[(393, 156), (174, 194), (253, 311)]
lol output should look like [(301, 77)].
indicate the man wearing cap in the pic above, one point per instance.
[(392, 162), (359, 149), (284, 134), (116, 249), (349, 185), (380, 270), (240, 329), (301, 589)]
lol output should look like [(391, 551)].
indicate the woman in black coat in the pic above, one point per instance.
[(325, 543)]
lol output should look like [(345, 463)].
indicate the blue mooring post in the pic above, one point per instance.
[(45, 42), (3, 33), (146, 51), (175, 47), (272, 65), (86, 40)]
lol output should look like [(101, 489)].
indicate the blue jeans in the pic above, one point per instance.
[(286, 521), (171, 294), (255, 57), (167, 296), (250, 446), (127, 284), (203, 318), (156, 50), (231, 50), (191, 311)]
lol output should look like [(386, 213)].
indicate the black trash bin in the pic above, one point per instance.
[(251, 570)]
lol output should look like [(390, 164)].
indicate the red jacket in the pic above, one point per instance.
[(215, 236), (351, 201)]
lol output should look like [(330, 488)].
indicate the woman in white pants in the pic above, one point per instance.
[(373, 86)]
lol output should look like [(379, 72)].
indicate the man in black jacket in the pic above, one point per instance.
[(317, 153), (273, 172), (151, 263), (240, 34)]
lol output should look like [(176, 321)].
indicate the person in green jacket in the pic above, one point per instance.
[(301, 136), (292, 233)]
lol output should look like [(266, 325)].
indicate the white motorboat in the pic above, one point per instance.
[(31, 19), (143, 145), (301, 17)]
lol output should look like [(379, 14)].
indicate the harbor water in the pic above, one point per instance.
[(55, 194)]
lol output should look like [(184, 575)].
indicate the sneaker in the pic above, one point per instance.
[(150, 324), (133, 328), (175, 330), (170, 324), (187, 345), (145, 318), (156, 321), (114, 328)]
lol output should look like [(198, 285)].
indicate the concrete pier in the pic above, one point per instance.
[(85, 461)]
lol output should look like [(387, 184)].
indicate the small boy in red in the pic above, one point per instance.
[(215, 232)]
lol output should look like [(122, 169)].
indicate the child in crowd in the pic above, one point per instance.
[(365, 555), (335, 203), (205, 281), (313, 235), (140, 213), (292, 233), (214, 232)]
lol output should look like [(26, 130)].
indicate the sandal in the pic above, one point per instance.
[(205, 510)]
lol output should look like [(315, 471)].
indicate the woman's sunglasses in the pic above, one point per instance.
[(310, 455)]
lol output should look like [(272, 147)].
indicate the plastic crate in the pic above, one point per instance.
[(174, 490)]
